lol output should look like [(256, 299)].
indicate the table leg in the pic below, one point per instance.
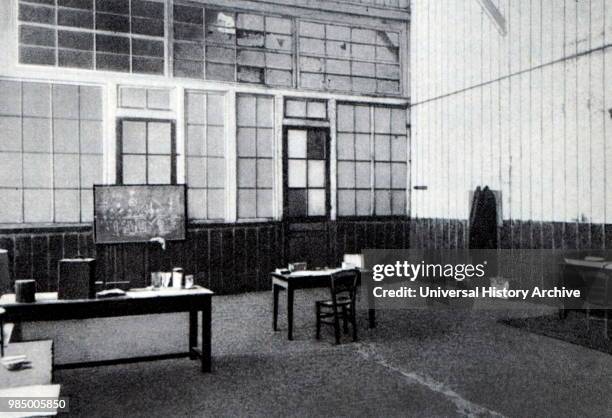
[(206, 337), (193, 334), (371, 307), (290, 312), (275, 292)]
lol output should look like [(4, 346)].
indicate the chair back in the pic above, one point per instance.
[(344, 283)]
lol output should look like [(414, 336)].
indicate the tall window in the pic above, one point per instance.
[(114, 35), (255, 146), (50, 151), (307, 188), (205, 171), (147, 152), (372, 160), (344, 58)]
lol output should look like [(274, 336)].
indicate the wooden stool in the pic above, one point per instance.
[(2, 314)]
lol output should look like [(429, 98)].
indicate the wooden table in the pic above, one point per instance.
[(305, 279), (136, 302)]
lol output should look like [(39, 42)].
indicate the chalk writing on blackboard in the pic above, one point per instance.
[(139, 213)]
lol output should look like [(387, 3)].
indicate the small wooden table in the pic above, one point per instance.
[(305, 279), (136, 302)]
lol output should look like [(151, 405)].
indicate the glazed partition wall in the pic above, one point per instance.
[(372, 156), (51, 151)]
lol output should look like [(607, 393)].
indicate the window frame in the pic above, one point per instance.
[(285, 171), (94, 32), (372, 161), (119, 148)]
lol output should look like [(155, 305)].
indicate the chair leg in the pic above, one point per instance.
[(344, 319), (336, 325), (354, 321), (318, 335)]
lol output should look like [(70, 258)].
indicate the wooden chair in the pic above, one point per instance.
[(342, 303)]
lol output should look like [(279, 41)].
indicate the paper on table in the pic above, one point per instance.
[(325, 272)]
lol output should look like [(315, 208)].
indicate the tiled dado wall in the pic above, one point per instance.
[(566, 239), (229, 258)]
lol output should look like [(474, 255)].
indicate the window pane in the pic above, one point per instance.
[(346, 118), (215, 110), (246, 142), (264, 203), (296, 143), (398, 176), (399, 150), (36, 135), (10, 170), (38, 205), (159, 169), (362, 119), (247, 204), (36, 99), (91, 137), (196, 203), (247, 107), (10, 133), (265, 173), (364, 207), (264, 142), (134, 137), (216, 172), (195, 140), (346, 174), (265, 112), (382, 118), (37, 14), (67, 206), (362, 175), (398, 199), (66, 170), (215, 141), (295, 108), (34, 35), (159, 137), (216, 204), (316, 202), (134, 169), (91, 170), (346, 202), (296, 202), (196, 172), (382, 175), (345, 146), (362, 147), (246, 172), (75, 59), (37, 170), (383, 202), (297, 173), (316, 144), (133, 97), (382, 147), (87, 205), (10, 206)]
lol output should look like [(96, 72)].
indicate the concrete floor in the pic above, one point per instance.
[(415, 363)]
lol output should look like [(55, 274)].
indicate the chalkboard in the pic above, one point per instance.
[(139, 213)]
